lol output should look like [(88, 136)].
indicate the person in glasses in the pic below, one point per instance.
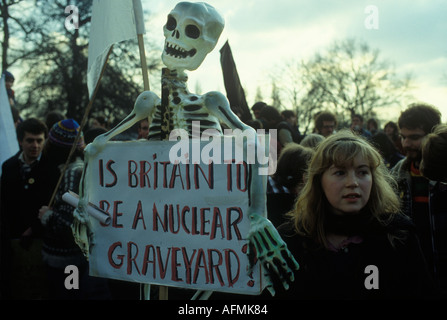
[(325, 123), (422, 200)]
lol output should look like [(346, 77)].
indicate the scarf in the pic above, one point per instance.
[(362, 223)]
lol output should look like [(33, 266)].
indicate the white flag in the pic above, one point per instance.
[(9, 145), (112, 21)]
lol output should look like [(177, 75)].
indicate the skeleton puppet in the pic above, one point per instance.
[(192, 31)]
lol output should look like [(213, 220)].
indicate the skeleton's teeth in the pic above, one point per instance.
[(179, 52)]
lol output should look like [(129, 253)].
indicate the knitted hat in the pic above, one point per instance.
[(8, 76), (64, 133)]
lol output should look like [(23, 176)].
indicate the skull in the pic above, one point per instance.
[(191, 32)]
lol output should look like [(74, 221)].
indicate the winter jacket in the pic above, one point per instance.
[(433, 231), (367, 267), (22, 195), (59, 248)]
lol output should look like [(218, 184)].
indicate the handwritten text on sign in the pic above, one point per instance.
[(174, 224)]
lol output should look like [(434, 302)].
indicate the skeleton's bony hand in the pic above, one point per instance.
[(279, 264)]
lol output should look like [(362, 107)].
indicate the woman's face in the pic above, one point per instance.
[(348, 188)]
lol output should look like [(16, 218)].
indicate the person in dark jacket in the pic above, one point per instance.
[(387, 149), (346, 230), (25, 186), (284, 185), (288, 130), (59, 248), (434, 154), (433, 166), (423, 200)]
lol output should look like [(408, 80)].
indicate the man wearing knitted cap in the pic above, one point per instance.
[(59, 248)]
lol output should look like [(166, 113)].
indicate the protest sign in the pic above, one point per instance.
[(172, 224)]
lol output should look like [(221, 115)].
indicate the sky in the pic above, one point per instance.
[(263, 35)]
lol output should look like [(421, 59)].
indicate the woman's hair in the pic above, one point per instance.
[(340, 149), (434, 154)]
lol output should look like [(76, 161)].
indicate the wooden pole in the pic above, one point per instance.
[(81, 127), (143, 62), (163, 290)]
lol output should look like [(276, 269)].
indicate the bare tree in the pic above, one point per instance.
[(258, 96), (349, 77), (11, 25), (275, 96), (56, 62), (291, 91)]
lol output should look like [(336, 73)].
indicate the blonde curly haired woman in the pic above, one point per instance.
[(346, 230)]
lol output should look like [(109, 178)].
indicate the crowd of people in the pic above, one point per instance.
[(364, 185), (343, 199), (36, 248)]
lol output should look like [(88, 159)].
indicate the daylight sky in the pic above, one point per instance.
[(412, 35)]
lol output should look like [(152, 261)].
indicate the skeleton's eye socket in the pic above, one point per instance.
[(171, 23), (192, 31)]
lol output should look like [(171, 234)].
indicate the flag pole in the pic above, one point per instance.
[(143, 62), (81, 127), (138, 11), (163, 290), (139, 25)]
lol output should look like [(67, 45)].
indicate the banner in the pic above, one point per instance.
[(9, 145), (173, 223), (235, 92), (113, 21)]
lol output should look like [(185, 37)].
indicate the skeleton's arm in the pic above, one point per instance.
[(264, 239), (144, 108), (218, 106)]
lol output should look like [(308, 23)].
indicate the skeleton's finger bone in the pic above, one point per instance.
[(274, 275), (271, 290), (260, 249), (290, 259), (285, 274), (270, 237)]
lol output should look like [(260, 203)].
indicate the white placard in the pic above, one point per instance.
[(172, 224)]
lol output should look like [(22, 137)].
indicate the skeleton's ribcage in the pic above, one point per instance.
[(182, 117)]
